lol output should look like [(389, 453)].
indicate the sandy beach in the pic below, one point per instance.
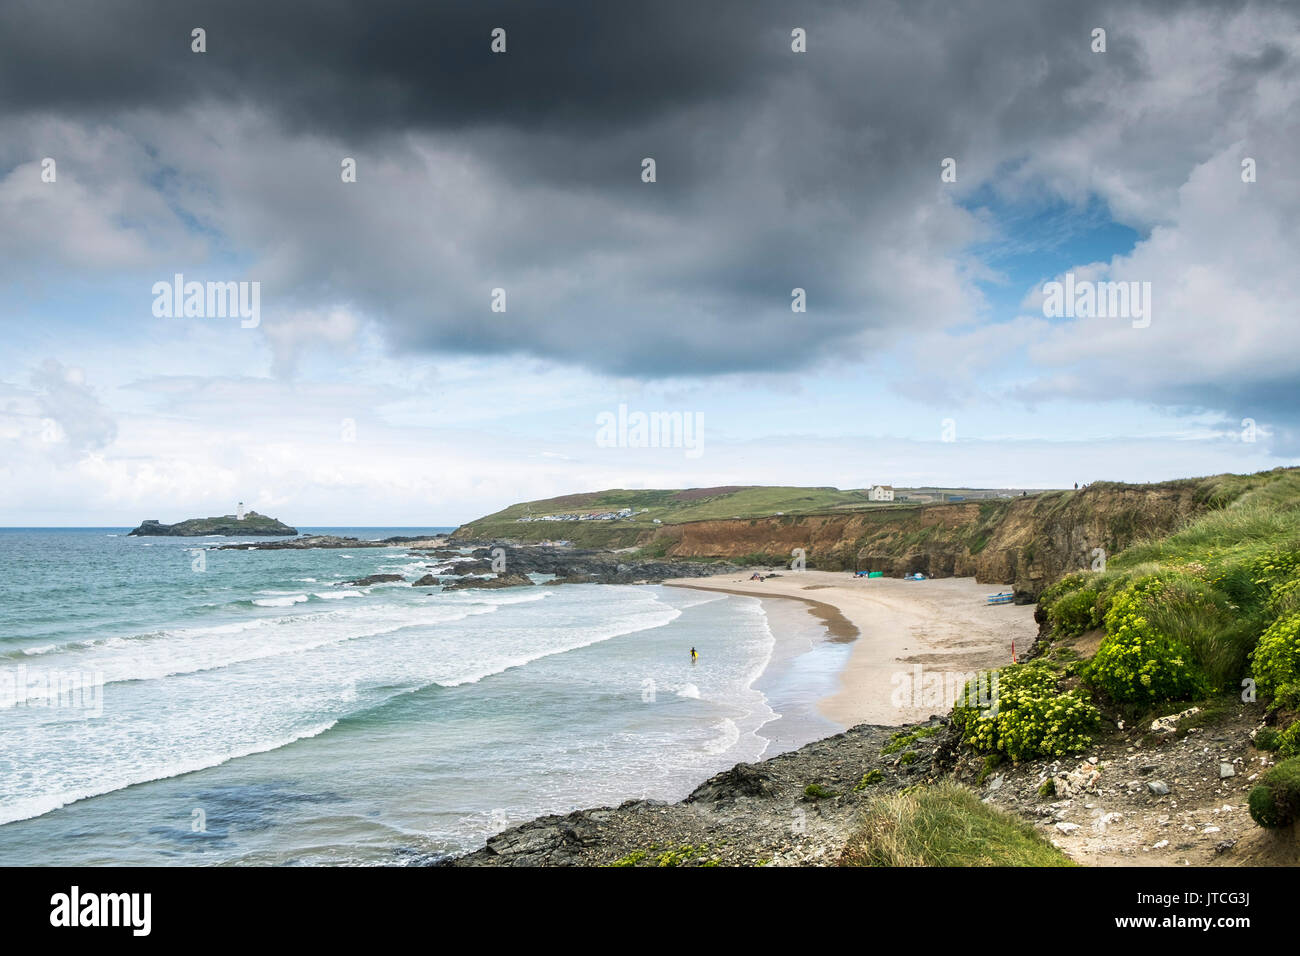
[(906, 635)]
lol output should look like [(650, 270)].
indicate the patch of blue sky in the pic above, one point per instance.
[(1032, 240)]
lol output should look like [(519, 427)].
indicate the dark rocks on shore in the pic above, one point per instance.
[(584, 566), (443, 554), (742, 780), (511, 580), (752, 814), (327, 541), (309, 541), (803, 807), (461, 568), (375, 579), (429, 580), (557, 840)]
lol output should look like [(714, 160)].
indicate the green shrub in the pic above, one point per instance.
[(1285, 598), (1272, 569), (1275, 802), (1251, 579), (631, 859), (1067, 585), (1276, 661), (1030, 716), (1288, 741), (904, 739), (1266, 739), (817, 792), (1138, 664), (1109, 584), (868, 779), (1074, 613), (686, 855)]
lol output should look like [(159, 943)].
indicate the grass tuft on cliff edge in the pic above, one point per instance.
[(945, 825)]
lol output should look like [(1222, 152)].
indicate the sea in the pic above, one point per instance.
[(162, 702)]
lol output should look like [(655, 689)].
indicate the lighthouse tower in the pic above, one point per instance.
[(239, 512)]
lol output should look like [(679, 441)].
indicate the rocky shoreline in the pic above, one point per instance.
[(492, 565), (569, 566), (797, 808), (1171, 794), (1168, 791), (593, 566)]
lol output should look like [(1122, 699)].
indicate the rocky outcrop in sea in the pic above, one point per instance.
[(590, 566), (251, 523), (511, 580)]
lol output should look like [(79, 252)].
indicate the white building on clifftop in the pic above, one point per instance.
[(881, 493)]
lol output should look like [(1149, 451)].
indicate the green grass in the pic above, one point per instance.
[(945, 825), (693, 504), (1216, 631), (669, 506), (1266, 512)]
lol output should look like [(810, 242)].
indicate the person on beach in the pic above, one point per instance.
[(694, 656)]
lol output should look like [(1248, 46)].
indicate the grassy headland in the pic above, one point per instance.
[(1030, 541), (652, 508)]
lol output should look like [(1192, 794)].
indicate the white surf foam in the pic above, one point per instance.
[(24, 808), (287, 601)]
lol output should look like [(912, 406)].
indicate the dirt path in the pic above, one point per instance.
[(1138, 798)]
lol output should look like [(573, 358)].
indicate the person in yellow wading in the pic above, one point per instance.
[(694, 656)]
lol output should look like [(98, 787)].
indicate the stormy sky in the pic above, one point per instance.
[(380, 386)]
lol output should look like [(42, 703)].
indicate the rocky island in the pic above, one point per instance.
[(250, 523)]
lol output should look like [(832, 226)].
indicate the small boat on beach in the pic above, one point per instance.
[(1002, 597)]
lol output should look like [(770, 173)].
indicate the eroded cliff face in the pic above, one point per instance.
[(1024, 542)]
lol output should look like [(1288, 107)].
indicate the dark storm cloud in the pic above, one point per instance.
[(775, 170), (383, 64)]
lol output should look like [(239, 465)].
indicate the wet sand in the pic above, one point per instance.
[(905, 635)]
